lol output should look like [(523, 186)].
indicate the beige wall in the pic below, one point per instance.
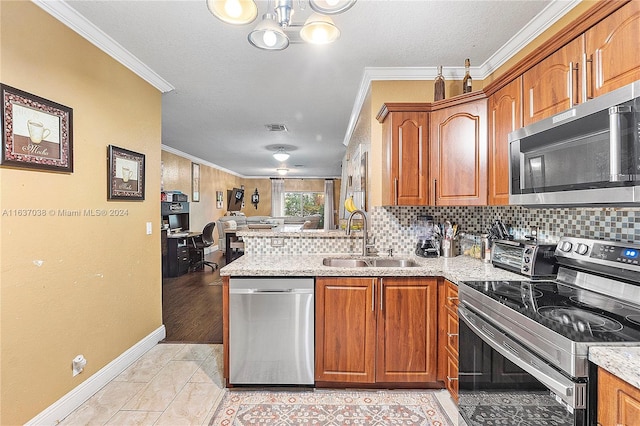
[(74, 285)]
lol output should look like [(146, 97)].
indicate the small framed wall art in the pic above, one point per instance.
[(36, 133), (126, 174)]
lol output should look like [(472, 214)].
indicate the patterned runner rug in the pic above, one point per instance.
[(330, 408)]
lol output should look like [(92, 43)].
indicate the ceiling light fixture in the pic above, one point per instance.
[(281, 155), (269, 34), (282, 171)]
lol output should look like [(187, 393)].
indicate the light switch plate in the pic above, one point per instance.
[(148, 228)]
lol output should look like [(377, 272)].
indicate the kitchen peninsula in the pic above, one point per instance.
[(354, 307)]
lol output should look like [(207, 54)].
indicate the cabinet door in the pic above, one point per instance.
[(406, 158), (345, 330), (458, 149), (552, 86), (505, 116), (407, 330), (612, 54), (618, 401)]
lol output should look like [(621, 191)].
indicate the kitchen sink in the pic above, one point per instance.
[(344, 263), (341, 262), (393, 263)]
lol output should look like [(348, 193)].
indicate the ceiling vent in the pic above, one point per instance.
[(276, 127)]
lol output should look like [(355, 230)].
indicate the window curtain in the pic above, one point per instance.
[(328, 205), (277, 197)]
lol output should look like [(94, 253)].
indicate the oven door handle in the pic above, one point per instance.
[(566, 391)]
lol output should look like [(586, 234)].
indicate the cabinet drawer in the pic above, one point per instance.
[(451, 328), (451, 296), (451, 378)]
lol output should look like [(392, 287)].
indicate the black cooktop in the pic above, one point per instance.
[(579, 315)]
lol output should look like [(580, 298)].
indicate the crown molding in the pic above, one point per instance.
[(540, 23), (64, 13), (195, 159)]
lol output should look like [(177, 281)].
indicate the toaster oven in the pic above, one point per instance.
[(535, 260)]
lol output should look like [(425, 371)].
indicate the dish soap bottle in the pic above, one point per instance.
[(466, 81), (438, 89)]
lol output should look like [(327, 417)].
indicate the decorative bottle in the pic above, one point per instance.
[(438, 86), (466, 81)]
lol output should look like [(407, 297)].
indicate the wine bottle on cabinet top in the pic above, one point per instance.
[(438, 88), (467, 81)]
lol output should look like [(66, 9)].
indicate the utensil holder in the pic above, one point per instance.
[(450, 248)]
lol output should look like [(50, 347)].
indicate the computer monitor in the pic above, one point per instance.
[(174, 222)]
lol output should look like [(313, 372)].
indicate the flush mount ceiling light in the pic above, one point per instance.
[(282, 171), (281, 155), (270, 33)]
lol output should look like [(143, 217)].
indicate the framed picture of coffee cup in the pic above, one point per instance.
[(36, 133), (126, 174)]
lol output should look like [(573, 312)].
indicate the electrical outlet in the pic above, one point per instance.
[(77, 365), (277, 242)]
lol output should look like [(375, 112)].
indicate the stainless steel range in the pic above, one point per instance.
[(524, 344)]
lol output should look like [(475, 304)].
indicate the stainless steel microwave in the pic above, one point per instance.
[(587, 155)]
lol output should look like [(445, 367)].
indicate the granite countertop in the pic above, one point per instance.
[(455, 269), (293, 231), (621, 361)]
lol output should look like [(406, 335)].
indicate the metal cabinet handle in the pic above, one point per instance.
[(435, 191), (395, 191), (452, 298), (373, 295), (451, 379), (573, 67), (588, 79), (452, 334)]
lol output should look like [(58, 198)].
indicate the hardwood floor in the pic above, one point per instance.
[(192, 306)]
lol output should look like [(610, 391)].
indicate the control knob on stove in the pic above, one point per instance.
[(525, 268), (566, 246), (582, 248)]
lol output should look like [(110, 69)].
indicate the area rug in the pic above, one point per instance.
[(330, 408)]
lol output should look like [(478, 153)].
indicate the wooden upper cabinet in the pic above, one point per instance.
[(407, 330), (612, 57), (505, 116), (405, 156), (345, 330), (458, 150), (553, 85)]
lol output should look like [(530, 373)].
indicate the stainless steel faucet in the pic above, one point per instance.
[(365, 236)]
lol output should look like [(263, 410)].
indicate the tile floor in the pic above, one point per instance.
[(172, 384)]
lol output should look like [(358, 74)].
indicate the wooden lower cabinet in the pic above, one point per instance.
[(376, 330), (618, 401)]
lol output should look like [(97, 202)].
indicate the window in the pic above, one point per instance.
[(304, 204)]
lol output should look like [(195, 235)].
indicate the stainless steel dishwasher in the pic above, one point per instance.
[(271, 331)]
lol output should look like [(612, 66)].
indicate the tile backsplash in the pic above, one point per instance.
[(392, 226)]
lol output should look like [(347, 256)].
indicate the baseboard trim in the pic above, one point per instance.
[(78, 395)]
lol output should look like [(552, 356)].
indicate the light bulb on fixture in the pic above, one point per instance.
[(237, 12), (281, 155), (269, 38), (268, 35), (282, 171), (319, 29)]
